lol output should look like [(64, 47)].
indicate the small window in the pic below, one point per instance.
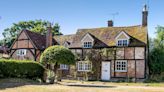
[(84, 66), (121, 66), (63, 66), (87, 45), (122, 42), (21, 52)]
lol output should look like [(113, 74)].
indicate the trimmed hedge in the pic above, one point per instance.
[(21, 69), (57, 54)]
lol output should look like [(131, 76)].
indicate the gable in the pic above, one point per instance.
[(87, 38), (22, 35), (22, 41), (66, 44), (122, 35)]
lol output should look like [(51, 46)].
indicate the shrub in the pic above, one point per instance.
[(58, 55), (21, 69)]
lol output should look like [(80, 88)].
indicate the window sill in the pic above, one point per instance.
[(63, 69), (120, 70), (87, 47), (83, 70)]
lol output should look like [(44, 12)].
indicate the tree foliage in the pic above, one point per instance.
[(94, 56), (38, 26), (156, 62), (58, 55)]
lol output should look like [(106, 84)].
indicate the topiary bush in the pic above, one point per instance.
[(57, 55), (21, 69)]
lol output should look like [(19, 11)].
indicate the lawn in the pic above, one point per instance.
[(19, 85)]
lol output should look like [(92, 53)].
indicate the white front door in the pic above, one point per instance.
[(105, 71)]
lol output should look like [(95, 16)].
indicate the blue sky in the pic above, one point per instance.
[(75, 14)]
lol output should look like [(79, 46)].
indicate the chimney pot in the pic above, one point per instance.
[(49, 35), (110, 23), (144, 16)]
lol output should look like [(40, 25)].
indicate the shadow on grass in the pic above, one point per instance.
[(90, 85), (14, 82)]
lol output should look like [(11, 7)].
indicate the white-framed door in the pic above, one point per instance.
[(105, 71)]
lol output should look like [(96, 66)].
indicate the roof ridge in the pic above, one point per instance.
[(33, 32), (66, 35), (111, 27)]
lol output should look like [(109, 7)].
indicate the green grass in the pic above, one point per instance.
[(26, 85)]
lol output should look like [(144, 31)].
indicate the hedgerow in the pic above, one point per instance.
[(21, 69)]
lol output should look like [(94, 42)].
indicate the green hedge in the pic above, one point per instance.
[(21, 69)]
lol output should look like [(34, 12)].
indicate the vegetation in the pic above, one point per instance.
[(21, 69), (94, 56), (156, 61), (57, 55), (38, 26), (24, 85)]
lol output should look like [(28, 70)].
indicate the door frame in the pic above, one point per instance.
[(109, 69)]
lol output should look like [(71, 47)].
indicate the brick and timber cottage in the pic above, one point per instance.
[(125, 48), (29, 45)]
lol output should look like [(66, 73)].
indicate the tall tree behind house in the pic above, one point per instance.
[(38, 26)]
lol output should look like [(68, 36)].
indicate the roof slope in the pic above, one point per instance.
[(38, 39), (107, 35), (64, 38)]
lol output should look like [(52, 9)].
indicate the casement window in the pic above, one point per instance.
[(122, 42), (84, 66), (21, 52), (63, 67), (121, 66), (87, 44)]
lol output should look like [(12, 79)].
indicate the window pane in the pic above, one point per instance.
[(84, 66), (87, 44), (121, 65), (122, 42)]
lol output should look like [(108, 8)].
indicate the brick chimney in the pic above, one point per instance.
[(110, 23), (49, 35), (144, 16)]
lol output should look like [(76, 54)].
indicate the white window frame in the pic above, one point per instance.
[(86, 41), (122, 67), (122, 42), (87, 44), (21, 52), (117, 39), (63, 67), (85, 66)]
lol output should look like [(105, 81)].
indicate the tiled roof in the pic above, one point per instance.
[(64, 38), (106, 35), (103, 37), (38, 40)]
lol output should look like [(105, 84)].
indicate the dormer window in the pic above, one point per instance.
[(122, 39), (122, 42), (87, 45), (87, 41)]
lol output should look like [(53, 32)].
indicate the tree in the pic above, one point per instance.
[(57, 55), (159, 40), (156, 54), (38, 26)]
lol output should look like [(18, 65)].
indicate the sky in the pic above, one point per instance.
[(77, 14)]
